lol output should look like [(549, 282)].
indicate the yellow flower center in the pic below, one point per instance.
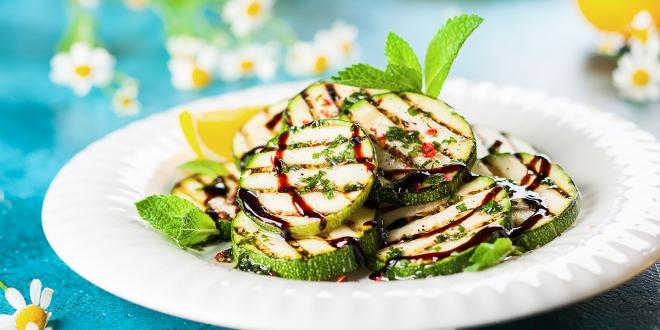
[(33, 314), (346, 47), (126, 102), (253, 9), (200, 77), (640, 34), (640, 78), (83, 71), (247, 66), (321, 64)]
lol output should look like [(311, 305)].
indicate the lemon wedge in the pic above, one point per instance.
[(616, 15), (209, 134)]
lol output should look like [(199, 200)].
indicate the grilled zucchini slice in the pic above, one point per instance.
[(423, 146), (438, 238), (322, 100), (309, 179), (258, 130), (311, 258), (490, 141), (545, 200), (214, 195)]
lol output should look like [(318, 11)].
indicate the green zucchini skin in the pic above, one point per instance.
[(322, 100), (325, 266), (315, 135), (221, 209), (550, 227), (383, 112), (456, 262)]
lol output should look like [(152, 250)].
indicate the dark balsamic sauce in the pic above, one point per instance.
[(523, 192), (354, 243), (273, 121), (217, 188), (356, 141), (253, 205), (495, 147)]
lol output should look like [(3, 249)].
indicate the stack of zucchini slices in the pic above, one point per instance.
[(340, 177)]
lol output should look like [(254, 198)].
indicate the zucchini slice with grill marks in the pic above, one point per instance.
[(315, 258), (424, 148), (215, 195), (438, 238), (490, 141), (309, 179), (258, 130), (322, 100), (545, 201)]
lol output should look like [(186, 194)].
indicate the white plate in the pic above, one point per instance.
[(91, 223)]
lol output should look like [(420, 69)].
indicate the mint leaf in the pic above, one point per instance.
[(367, 76), (406, 75), (177, 218), (489, 254), (205, 167), (443, 49), (400, 54)]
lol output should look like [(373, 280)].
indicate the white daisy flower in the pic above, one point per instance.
[(637, 77), (252, 60), (28, 317), (125, 102), (193, 72), (246, 16), (644, 35), (184, 46), (341, 38), (82, 67), (610, 44), (306, 58)]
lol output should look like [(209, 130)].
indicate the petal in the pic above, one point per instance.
[(81, 87), (35, 291), (7, 321), (80, 52), (15, 298), (46, 296), (31, 326)]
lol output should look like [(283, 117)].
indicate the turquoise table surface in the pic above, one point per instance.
[(542, 45)]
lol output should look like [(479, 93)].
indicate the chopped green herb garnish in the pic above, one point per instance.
[(461, 228), (405, 137), (353, 187), (319, 180), (491, 207), (394, 252), (441, 238), (413, 111), (449, 140), (328, 153), (461, 207)]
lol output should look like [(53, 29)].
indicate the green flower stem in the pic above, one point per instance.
[(283, 31), (3, 286)]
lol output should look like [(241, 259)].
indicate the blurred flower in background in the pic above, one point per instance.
[(244, 40), (629, 34)]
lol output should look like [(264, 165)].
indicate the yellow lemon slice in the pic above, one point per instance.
[(616, 15), (209, 134)]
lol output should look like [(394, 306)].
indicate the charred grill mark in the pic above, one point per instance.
[(411, 103)]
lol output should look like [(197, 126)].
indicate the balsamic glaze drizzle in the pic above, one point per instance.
[(273, 121), (354, 243)]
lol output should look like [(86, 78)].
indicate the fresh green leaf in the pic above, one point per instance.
[(205, 167), (443, 49), (406, 75), (489, 254), (177, 218), (402, 60), (491, 207), (367, 76), (461, 207)]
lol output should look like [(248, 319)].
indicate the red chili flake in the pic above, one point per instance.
[(341, 278), (448, 177), (432, 131), (428, 150), (224, 256), (327, 102), (373, 130), (380, 137), (378, 279)]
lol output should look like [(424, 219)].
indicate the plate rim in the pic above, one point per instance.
[(478, 89)]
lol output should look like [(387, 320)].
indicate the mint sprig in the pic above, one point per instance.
[(177, 218), (489, 254), (205, 167), (403, 71)]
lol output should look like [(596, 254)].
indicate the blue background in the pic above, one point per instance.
[(542, 45)]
